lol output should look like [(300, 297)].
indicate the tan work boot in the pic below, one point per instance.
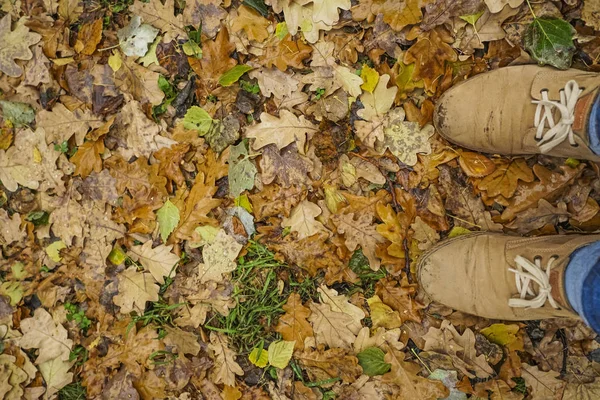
[(521, 110), (501, 277)]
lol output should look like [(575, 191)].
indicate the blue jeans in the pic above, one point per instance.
[(582, 284)]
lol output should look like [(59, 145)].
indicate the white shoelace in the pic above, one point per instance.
[(562, 130), (527, 272)]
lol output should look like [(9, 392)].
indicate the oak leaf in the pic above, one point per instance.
[(430, 54), (534, 218), (340, 303), (324, 364), (56, 375), (549, 186), (475, 164), (302, 220), (141, 82), (198, 204), (382, 315), (287, 167), (275, 200), (136, 176), (498, 389), (424, 234), (219, 257), (203, 298), (379, 102), (88, 158), (272, 81), (170, 159), (293, 325), (205, 13), (225, 368), (285, 53), (41, 332), (88, 37), (161, 16), (326, 11), (391, 230), (159, 261), (14, 45), (361, 232), (399, 14), (333, 328), (61, 123), (135, 289), (409, 385), (544, 384), (406, 139), (252, 23), (504, 180), (281, 131), (399, 297), (215, 60), (10, 227)]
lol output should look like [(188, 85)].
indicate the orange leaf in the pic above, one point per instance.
[(475, 164), (293, 325), (88, 158)]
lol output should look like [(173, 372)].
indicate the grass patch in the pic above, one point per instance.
[(73, 391), (259, 299), (158, 314)]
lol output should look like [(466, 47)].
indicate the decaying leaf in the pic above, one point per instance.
[(14, 45), (219, 257)]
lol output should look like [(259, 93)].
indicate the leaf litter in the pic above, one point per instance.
[(225, 200)]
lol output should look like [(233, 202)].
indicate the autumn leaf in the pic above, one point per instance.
[(360, 232), (382, 315), (161, 16), (14, 45), (281, 131), (225, 368), (135, 289), (399, 298), (379, 102), (286, 53), (41, 332), (219, 257), (252, 23), (324, 364), (302, 220), (88, 37), (159, 261), (537, 217), (504, 180), (88, 158), (135, 38), (430, 54), (293, 325)]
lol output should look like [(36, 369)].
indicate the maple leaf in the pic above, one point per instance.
[(14, 45), (504, 180), (324, 364), (252, 23), (225, 368), (302, 219), (88, 158), (160, 16), (219, 257), (159, 261), (430, 54), (360, 232), (293, 325), (41, 332), (281, 131), (135, 289), (379, 102)]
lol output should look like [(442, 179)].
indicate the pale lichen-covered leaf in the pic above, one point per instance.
[(135, 37), (219, 257)]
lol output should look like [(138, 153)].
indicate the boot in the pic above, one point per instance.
[(502, 277), (521, 110)]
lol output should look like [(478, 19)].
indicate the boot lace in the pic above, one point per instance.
[(562, 130), (527, 272)]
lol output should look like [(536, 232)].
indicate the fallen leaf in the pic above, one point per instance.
[(281, 131), (293, 325), (504, 180), (219, 257), (379, 102), (252, 23), (302, 220), (535, 218), (159, 261), (382, 315), (41, 332), (135, 38), (56, 375), (280, 353), (399, 298), (225, 368), (324, 364), (360, 232), (15, 45), (135, 289), (88, 37), (161, 16), (88, 158)]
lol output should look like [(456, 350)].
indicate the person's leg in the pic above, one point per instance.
[(594, 126), (582, 284)]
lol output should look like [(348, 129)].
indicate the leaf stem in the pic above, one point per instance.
[(531, 9)]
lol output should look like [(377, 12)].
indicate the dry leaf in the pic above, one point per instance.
[(293, 325), (135, 289)]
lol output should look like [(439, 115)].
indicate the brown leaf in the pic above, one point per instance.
[(275, 200), (499, 390), (548, 187), (88, 158), (161, 16), (293, 325), (170, 162), (534, 218), (285, 53), (408, 384), (321, 364), (361, 232), (251, 22), (88, 37), (225, 368), (198, 204), (504, 180), (215, 60), (476, 165), (399, 297), (287, 167), (430, 54)]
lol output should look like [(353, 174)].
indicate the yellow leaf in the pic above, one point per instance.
[(370, 78), (382, 315), (457, 231), (231, 393), (259, 357), (502, 334), (244, 202), (53, 250), (37, 156), (114, 61), (62, 61), (280, 353)]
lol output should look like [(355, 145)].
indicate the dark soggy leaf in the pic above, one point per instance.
[(258, 5), (550, 41)]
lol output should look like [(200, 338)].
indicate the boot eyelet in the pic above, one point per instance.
[(537, 139), (537, 258), (555, 256), (575, 145)]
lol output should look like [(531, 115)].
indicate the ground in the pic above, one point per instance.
[(216, 199)]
